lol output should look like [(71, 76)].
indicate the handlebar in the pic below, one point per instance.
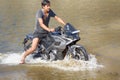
[(59, 28), (68, 28)]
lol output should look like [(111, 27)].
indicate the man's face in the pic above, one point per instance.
[(47, 7)]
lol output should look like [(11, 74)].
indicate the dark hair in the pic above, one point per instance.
[(45, 2)]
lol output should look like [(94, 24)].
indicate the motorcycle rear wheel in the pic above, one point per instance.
[(27, 44)]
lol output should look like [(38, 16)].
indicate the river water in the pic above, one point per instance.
[(99, 25)]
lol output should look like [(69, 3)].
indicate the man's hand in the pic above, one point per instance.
[(52, 30)]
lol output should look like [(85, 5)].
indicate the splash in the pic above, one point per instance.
[(10, 58), (72, 64), (66, 64)]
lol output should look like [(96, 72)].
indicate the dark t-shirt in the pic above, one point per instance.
[(40, 14)]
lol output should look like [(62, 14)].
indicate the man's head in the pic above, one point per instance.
[(45, 2), (45, 5)]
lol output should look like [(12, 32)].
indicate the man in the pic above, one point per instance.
[(42, 27)]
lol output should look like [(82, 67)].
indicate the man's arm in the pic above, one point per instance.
[(44, 26), (60, 20)]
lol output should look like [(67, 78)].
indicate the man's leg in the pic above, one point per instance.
[(30, 50)]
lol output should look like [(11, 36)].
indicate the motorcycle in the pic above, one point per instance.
[(58, 45)]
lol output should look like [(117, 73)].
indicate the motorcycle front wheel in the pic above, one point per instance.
[(79, 53)]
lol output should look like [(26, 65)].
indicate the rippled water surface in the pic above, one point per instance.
[(99, 25)]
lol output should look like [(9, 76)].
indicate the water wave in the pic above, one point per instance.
[(66, 64)]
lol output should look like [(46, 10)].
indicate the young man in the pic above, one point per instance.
[(42, 20)]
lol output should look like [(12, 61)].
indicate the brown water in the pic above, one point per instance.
[(98, 21)]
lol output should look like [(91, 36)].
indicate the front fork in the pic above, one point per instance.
[(70, 52)]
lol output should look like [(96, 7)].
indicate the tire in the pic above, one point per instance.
[(27, 44), (80, 53)]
